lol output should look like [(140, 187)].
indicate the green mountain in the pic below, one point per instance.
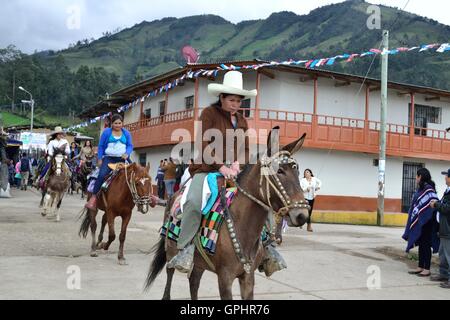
[(67, 81), (151, 48)]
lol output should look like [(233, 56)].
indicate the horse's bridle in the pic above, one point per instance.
[(269, 180), (137, 199)]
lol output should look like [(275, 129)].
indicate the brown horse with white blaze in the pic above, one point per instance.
[(131, 187), (249, 212)]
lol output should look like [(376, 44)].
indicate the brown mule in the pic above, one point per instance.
[(132, 186), (247, 228)]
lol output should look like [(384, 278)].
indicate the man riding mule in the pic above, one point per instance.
[(128, 186), (223, 116), (240, 251)]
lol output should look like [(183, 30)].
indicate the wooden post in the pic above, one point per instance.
[(366, 117), (412, 123), (315, 119), (258, 97), (196, 99), (141, 115)]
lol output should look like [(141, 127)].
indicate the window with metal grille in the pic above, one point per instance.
[(423, 115), (189, 102), (409, 183)]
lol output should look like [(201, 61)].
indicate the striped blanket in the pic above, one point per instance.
[(419, 215), (210, 225)]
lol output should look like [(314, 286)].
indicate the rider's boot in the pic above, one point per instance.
[(184, 260), (273, 261), (92, 203)]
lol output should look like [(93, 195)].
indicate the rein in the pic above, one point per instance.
[(267, 173), (137, 199)]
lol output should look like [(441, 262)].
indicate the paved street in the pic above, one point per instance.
[(332, 263)]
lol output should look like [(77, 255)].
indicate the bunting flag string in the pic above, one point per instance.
[(309, 64)]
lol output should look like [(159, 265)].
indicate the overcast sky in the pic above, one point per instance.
[(53, 24)]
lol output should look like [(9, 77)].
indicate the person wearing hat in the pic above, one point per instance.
[(57, 141), (443, 207), (223, 116)]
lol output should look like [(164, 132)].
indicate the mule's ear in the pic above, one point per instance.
[(273, 141), (295, 146)]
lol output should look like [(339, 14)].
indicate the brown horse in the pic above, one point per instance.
[(57, 185), (239, 247), (132, 187)]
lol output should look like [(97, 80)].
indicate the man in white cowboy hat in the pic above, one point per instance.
[(222, 115)]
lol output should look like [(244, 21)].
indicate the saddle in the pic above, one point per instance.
[(210, 224), (118, 166)]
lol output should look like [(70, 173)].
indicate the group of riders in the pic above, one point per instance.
[(116, 146)]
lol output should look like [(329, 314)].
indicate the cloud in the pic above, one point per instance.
[(49, 24)]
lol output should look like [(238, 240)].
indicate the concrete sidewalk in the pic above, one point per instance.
[(334, 262)]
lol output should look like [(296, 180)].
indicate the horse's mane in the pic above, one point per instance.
[(245, 171)]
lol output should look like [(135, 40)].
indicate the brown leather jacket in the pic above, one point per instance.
[(214, 117)]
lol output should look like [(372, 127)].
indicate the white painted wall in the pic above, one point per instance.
[(177, 97), (347, 102)]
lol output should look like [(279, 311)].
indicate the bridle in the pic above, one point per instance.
[(269, 180), (137, 199)]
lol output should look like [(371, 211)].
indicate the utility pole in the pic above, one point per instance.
[(383, 116)]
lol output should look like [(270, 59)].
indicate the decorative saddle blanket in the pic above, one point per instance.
[(210, 225)]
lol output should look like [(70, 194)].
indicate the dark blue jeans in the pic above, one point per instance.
[(104, 171)]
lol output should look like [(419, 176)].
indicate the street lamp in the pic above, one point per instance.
[(32, 108)]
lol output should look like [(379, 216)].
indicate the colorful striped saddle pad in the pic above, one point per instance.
[(210, 225), (109, 179)]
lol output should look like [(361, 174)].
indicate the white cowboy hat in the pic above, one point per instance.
[(58, 130), (232, 84), (2, 132)]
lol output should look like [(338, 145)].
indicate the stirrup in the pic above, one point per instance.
[(184, 260), (273, 262)]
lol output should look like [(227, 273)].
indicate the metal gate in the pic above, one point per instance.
[(409, 183)]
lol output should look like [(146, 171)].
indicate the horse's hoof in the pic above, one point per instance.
[(123, 262), (43, 214), (94, 254)]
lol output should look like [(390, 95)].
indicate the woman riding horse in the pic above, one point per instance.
[(115, 146), (57, 141), (222, 116)]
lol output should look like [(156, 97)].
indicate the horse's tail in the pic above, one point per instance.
[(84, 228), (158, 263)]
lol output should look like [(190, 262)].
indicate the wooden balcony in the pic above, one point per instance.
[(323, 132)]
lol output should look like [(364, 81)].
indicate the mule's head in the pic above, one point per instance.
[(57, 164), (285, 177), (141, 183)]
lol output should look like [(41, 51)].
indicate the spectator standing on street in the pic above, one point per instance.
[(160, 180), (422, 227), (443, 208), (18, 176), (25, 169), (170, 169), (310, 186)]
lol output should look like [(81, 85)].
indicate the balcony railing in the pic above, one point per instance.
[(323, 131)]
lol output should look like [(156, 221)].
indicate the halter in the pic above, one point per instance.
[(269, 180), (267, 173), (137, 199)]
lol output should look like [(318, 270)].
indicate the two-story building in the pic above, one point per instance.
[(340, 114)]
